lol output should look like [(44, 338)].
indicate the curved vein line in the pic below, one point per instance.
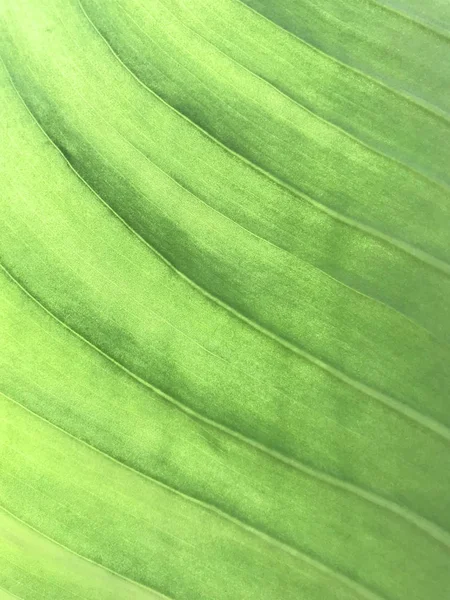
[(417, 101), (296, 553), (93, 562), (392, 403), (170, 265), (11, 594), (368, 390), (417, 253), (196, 197), (433, 530), (429, 27), (382, 153), (84, 558), (58, 585), (411, 98), (351, 431), (110, 358), (280, 391)]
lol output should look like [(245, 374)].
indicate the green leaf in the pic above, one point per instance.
[(224, 300)]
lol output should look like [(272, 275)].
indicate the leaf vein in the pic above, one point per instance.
[(319, 565), (418, 521), (414, 251)]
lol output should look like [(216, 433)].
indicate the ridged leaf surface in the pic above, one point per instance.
[(224, 300)]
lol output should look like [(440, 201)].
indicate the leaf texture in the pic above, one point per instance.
[(225, 323)]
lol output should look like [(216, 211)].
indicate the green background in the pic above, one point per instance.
[(224, 300)]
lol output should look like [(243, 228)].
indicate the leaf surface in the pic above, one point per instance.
[(224, 300)]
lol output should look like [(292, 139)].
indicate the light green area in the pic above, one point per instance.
[(394, 41), (224, 301)]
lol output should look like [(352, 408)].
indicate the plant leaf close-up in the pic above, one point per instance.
[(225, 300)]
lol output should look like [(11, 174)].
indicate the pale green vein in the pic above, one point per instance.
[(406, 247), (434, 110), (393, 404), (366, 593), (235, 367), (97, 564), (441, 32), (302, 107), (418, 521), (371, 298), (380, 536), (74, 594), (18, 581), (10, 594)]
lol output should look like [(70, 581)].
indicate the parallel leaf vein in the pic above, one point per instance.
[(423, 524), (368, 229), (382, 153), (221, 514), (423, 104), (385, 399), (400, 407), (93, 562)]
